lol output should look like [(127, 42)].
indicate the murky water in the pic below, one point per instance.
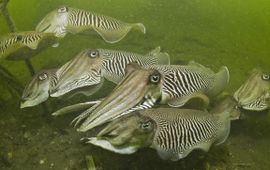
[(234, 33)]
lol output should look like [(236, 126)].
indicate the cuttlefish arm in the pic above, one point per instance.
[(108, 146), (75, 107), (139, 87)]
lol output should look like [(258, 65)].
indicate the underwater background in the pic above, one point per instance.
[(234, 33)]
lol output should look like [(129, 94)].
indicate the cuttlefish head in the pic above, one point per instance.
[(140, 89), (254, 94), (227, 104), (83, 71), (55, 22), (126, 134), (37, 91)]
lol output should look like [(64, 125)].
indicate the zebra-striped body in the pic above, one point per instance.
[(19, 38), (180, 82), (173, 132), (180, 131), (184, 80), (115, 62), (254, 94), (81, 18), (11, 43), (7, 43), (183, 133), (66, 19)]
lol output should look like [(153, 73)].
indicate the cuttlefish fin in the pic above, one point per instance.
[(108, 146), (204, 146), (117, 79), (162, 58), (132, 67), (33, 45), (179, 102), (74, 108), (115, 35), (81, 29), (220, 82), (175, 155), (154, 51), (171, 155), (225, 131), (113, 78), (200, 67), (55, 45), (193, 63)]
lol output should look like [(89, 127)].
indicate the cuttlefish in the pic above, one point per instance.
[(66, 19), (23, 45), (85, 74), (254, 94), (108, 64), (172, 132), (38, 90), (143, 87)]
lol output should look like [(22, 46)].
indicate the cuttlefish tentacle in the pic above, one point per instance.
[(75, 107), (128, 94), (83, 115)]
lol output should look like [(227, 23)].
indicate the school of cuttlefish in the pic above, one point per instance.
[(143, 109)]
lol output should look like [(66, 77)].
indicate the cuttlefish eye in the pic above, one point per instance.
[(62, 9), (93, 54), (155, 78), (265, 76), (19, 38), (146, 126), (42, 76)]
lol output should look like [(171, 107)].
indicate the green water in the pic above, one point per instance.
[(234, 33)]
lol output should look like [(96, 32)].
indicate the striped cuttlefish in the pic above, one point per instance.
[(85, 74), (66, 19), (172, 132), (23, 45), (254, 94), (144, 87)]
